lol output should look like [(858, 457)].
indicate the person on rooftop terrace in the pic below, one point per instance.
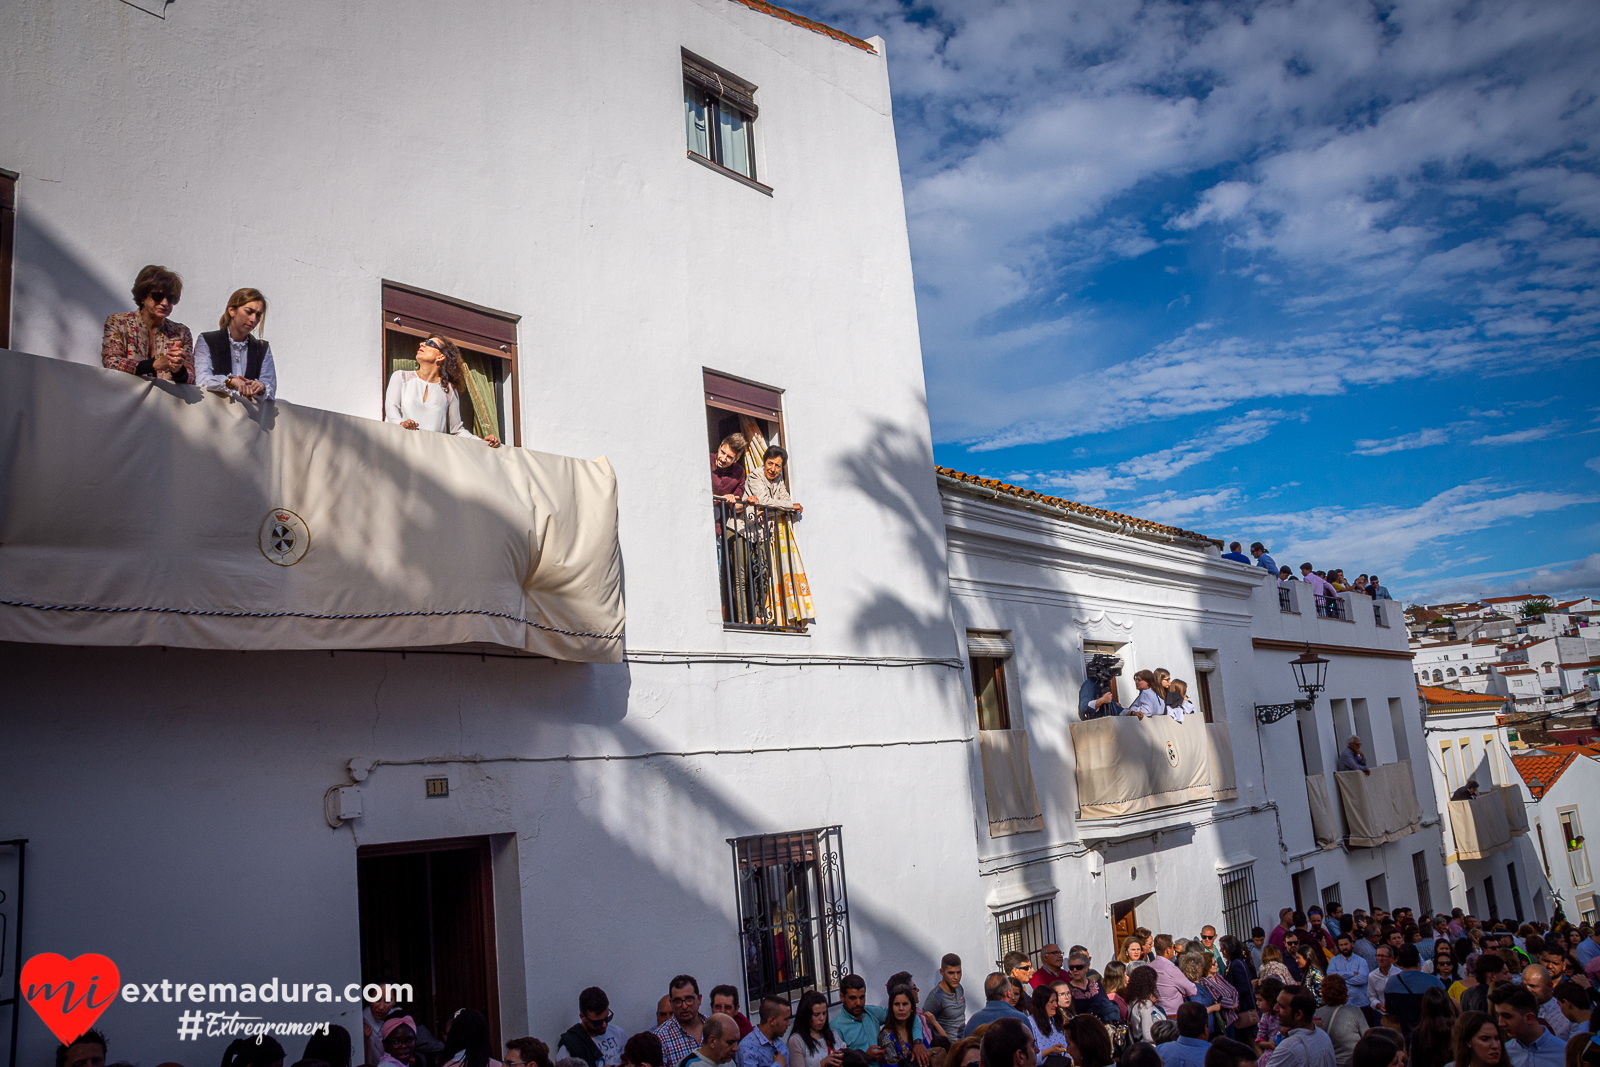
[(429, 398), (1236, 555), (1264, 561)]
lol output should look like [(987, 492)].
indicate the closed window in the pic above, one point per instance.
[(719, 114)]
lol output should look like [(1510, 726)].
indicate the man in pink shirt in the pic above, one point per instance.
[(1171, 985), (1320, 588)]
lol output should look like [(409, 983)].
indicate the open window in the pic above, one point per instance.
[(1092, 649), (488, 343), (761, 576)]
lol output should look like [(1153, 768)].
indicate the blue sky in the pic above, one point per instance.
[(1322, 274)]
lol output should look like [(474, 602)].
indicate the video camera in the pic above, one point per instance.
[(1101, 668)]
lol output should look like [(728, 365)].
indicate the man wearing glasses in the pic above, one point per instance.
[(594, 1039), (685, 1031), (1050, 969), (1208, 938)]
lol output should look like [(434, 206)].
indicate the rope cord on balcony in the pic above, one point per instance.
[(355, 616)]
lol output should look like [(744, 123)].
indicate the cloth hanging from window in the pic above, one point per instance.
[(783, 549), (478, 374)]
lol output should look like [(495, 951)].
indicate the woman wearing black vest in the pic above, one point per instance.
[(231, 360)]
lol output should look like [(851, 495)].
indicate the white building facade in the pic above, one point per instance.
[(766, 807)]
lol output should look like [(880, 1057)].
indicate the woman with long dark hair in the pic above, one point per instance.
[(467, 1043), (1047, 1018), (1088, 1041), (1143, 1012), (429, 398), (896, 1037), (812, 1042), (1476, 1041), (1431, 1044)]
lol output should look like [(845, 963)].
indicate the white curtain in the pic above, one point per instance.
[(694, 121), (735, 141)]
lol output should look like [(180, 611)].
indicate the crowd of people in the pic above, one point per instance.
[(1325, 585), (234, 361), (1320, 989)]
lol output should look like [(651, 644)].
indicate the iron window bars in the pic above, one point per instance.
[(1026, 929), (794, 915)]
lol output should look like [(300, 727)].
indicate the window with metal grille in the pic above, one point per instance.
[(794, 918), (1026, 929), (1239, 901)]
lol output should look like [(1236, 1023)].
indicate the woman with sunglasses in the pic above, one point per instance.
[(146, 341), (429, 398)]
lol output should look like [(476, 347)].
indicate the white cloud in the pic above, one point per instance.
[(1593, 464), (1403, 443), (1568, 579), (1389, 539), (1518, 437), (1093, 484)]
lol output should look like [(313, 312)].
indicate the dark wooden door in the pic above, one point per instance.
[(427, 918), (1124, 924)]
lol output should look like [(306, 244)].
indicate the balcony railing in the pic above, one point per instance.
[(762, 583), (1333, 606), (1379, 807), (1488, 823), (1285, 598), (1127, 766), (1378, 615)]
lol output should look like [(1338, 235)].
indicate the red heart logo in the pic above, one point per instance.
[(70, 995)]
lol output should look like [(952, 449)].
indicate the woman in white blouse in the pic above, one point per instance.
[(429, 398)]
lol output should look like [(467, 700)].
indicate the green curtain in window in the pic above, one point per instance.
[(480, 393)]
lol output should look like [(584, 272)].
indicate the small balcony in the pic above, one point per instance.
[(1488, 823), (1377, 808), (1333, 607), (1136, 775), (762, 581)]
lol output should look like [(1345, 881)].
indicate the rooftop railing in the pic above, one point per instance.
[(1285, 598)]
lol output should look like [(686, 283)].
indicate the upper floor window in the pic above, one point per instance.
[(719, 114), (989, 653), (486, 339)]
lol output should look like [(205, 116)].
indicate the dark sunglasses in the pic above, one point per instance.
[(431, 343), (163, 298), (1078, 967)]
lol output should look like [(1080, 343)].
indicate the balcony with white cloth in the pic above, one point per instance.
[(145, 513), (1135, 775)]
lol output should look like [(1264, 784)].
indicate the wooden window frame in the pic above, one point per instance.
[(721, 90), (420, 313), (742, 396), (8, 245)]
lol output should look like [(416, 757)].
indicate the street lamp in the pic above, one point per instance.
[(1310, 674)]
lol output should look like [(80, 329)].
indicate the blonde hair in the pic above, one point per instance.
[(239, 299)]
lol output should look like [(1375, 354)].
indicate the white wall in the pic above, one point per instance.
[(529, 157)]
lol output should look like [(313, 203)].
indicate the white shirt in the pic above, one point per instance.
[(609, 1043), (1560, 1025), (1147, 702), (1375, 983), (240, 351), (1305, 1048), (429, 404)]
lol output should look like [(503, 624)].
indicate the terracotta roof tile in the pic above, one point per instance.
[(1546, 768), (1073, 506), (1433, 694), (800, 20)]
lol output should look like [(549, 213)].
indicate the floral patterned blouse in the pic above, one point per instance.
[(125, 346)]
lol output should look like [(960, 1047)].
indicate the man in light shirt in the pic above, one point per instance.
[(1379, 977), (1351, 759), (1588, 948), (1355, 972), (1536, 980), (1304, 1043), (1575, 1007), (1528, 1042)]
